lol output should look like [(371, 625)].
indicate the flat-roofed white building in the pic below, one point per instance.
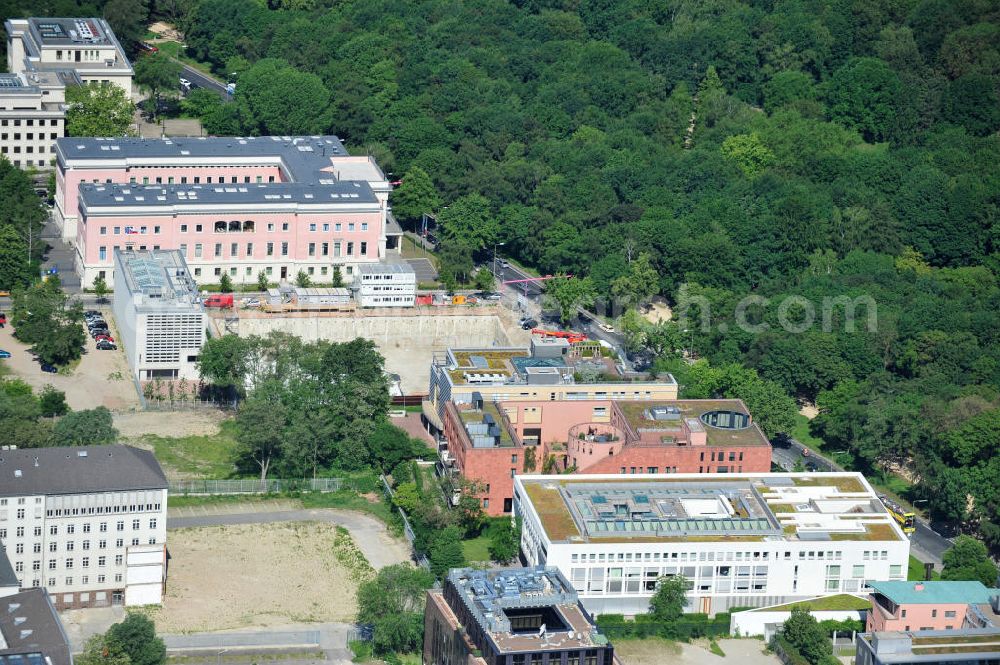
[(32, 116), (749, 540), (161, 319), (85, 523), (86, 46), (385, 285)]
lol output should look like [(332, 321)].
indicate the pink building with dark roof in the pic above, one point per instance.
[(235, 206)]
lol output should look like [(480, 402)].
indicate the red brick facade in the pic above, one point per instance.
[(593, 437)]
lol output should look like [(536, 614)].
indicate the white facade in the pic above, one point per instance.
[(385, 285), (161, 321), (86, 46), (77, 545), (823, 541), (765, 623), (32, 117)]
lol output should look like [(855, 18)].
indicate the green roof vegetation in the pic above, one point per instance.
[(842, 601)]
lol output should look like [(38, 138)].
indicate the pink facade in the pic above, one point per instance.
[(68, 183), (597, 437), (290, 236)]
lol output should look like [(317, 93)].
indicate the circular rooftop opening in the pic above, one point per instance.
[(726, 419)]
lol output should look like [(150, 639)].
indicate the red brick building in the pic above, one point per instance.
[(491, 442)]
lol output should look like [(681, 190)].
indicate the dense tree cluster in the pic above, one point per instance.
[(36, 421), (307, 407), (45, 317), (821, 149), (21, 220)]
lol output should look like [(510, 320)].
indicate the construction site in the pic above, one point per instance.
[(406, 336)]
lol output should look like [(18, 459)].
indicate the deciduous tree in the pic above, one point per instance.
[(98, 110)]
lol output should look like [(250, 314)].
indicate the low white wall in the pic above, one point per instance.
[(757, 622)]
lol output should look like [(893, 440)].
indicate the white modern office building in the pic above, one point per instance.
[(89, 524), (739, 540), (44, 57), (32, 116), (160, 316), (385, 285), (86, 46)]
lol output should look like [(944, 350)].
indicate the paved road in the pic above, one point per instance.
[(371, 536), (200, 80)]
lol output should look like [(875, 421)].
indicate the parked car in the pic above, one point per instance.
[(50, 369), (92, 314), (250, 302), (146, 47), (94, 323), (487, 295), (4, 354), (104, 338), (528, 324), (219, 300), (185, 84), (105, 345), (606, 327)]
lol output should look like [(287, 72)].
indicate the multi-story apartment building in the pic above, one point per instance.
[(548, 370), (45, 56), (491, 443), (749, 540), (89, 524), (32, 116), (86, 46), (932, 605), (385, 285), (160, 316), (239, 206), (527, 616)]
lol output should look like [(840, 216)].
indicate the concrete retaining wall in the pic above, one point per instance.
[(407, 342)]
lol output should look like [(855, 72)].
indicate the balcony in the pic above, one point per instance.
[(595, 433)]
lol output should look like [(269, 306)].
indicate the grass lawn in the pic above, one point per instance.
[(915, 571), (477, 549), (841, 601), (184, 501), (350, 500), (801, 434), (174, 50), (202, 456), (411, 250)]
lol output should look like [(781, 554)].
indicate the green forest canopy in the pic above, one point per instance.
[(811, 147)]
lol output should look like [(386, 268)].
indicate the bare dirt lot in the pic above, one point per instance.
[(168, 423), (100, 379), (655, 651), (256, 575)]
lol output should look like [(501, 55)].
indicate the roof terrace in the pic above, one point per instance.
[(708, 507), (725, 422), (526, 609)]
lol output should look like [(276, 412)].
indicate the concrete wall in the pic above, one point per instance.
[(407, 338)]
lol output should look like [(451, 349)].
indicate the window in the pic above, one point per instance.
[(325, 251), (152, 523), (312, 227), (218, 249), (949, 614), (350, 227), (234, 250), (197, 228), (120, 526), (197, 250), (364, 249), (364, 226), (284, 226), (284, 249), (249, 249), (934, 614), (102, 253), (103, 527), (312, 248), (270, 249), (896, 571), (104, 230)]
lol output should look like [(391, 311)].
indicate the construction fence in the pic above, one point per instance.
[(253, 486)]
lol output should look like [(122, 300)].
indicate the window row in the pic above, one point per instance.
[(29, 122)]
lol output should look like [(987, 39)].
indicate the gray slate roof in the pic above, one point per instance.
[(8, 578), (118, 195), (307, 158), (79, 470), (30, 626)]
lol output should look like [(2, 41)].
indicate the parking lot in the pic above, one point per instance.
[(101, 378)]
